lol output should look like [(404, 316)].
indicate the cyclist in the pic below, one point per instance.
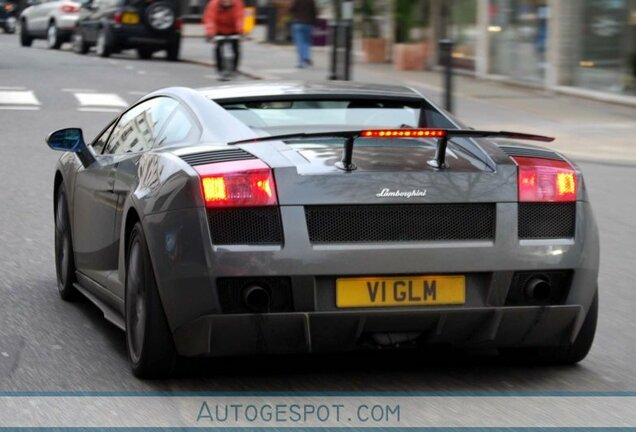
[(224, 18)]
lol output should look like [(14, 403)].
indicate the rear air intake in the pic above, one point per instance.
[(229, 155), (400, 223), (546, 220), (530, 152), (246, 226)]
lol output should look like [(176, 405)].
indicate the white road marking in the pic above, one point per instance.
[(15, 97), (100, 100), (77, 90), (141, 72), (12, 88), (97, 109), (19, 108)]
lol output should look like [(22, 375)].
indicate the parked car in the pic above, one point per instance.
[(8, 18), (53, 20), (274, 218), (115, 25)]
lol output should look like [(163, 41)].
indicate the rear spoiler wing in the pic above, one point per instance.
[(442, 136)]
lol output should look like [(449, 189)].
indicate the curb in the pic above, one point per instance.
[(243, 72)]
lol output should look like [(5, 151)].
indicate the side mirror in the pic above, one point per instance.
[(71, 140)]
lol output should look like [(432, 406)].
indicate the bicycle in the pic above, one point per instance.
[(226, 68)]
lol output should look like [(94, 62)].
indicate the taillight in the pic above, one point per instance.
[(178, 24), (69, 8), (545, 180), (248, 183), (117, 17)]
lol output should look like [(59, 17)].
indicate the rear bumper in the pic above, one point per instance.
[(289, 333), (187, 268), (138, 35)]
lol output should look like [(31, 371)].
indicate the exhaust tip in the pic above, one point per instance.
[(538, 288), (256, 298)]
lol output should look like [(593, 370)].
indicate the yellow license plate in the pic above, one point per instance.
[(130, 18), (400, 291)]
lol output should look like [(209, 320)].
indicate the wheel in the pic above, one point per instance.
[(172, 52), (564, 355), (102, 47), (64, 259), (80, 46), (148, 337), (9, 25), (53, 39), (25, 39), (144, 53), (160, 16)]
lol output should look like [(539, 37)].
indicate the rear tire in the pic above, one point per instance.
[(144, 53), (25, 39), (53, 39), (148, 338), (563, 355), (64, 257), (9, 25), (102, 47), (79, 43), (172, 52)]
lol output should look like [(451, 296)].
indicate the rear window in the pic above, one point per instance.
[(315, 115)]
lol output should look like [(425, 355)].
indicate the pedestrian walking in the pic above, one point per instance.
[(304, 15), (224, 18)]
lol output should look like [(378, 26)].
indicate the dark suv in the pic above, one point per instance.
[(115, 25)]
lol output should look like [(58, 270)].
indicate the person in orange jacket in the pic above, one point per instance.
[(224, 18)]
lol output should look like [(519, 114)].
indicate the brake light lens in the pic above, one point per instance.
[(404, 133), (545, 180), (247, 183), (69, 8), (178, 24), (117, 17)]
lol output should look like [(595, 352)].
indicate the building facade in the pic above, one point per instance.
[(577, 46)]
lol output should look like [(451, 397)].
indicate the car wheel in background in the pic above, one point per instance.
[(10, 25), (25, 39), (102, 47), (160, 16), (64, 259), (79, 43), (144, 53), (148, 337), (172, 51), (53, 39), (563, 355)]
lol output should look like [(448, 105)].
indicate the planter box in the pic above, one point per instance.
[(374, 50), (410, 56)]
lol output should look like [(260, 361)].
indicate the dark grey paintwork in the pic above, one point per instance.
[(163, 192)]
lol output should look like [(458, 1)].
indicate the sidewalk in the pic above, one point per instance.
[(584, 129)]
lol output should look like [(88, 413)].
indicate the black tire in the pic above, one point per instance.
[(8, 28), (103, 47), (80, 46), (144, 53), (64, 258), (53, 39), (148, 338), (172, 51), (25, 39), (564, 355)]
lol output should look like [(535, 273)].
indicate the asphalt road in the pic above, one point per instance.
[(49, 345)]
